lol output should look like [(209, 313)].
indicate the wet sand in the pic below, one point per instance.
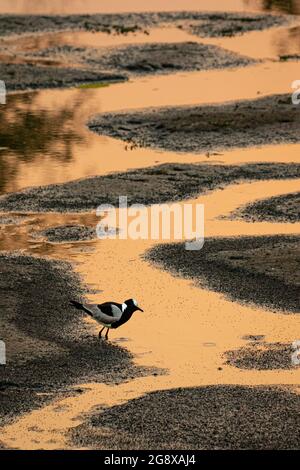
[(262, 356), (50, 348), (145, 59), (220, 25), (31, 66), (268, 120), (215, 417), (11, 219), (259, 270), (155, 185), (68, 233), (79, 384), (34, 67), (71, 151), (24, 76), (285, 208), (168, 302), (211, 24)]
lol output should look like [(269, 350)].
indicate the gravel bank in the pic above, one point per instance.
[(49, 346), (203, 24), (257, 270), (212, 417), (25, 77), (154, 185), (68, 233), (144, 59), (265, 121), (262, 356), (284, 208)]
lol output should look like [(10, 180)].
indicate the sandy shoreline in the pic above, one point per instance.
[(154, 185), (204, 24), (259, 270), (30, 77), (209, 366), (50, 347), (67, 233), (260, 355), (112, 65), (268, 120), (215, 417), (27, 69), (285, 208), (146, 59)]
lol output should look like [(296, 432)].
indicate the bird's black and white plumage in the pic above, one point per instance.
[(109, 314)]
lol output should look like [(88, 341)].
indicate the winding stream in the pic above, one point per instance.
[(162, 337)]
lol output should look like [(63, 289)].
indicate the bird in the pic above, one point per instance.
[(109, 314)]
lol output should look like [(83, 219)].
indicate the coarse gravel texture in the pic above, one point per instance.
[(31, 77), (68, 233), (143, 59), (262, 270), (248, 123), (12, 219), (201, 24), (262, 356), (209, 417), (285, 208), (153, 185), (49, 345)]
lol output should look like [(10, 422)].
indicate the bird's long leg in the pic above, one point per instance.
[(100, 332), (106, 336)]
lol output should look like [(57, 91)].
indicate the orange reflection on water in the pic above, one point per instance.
[(268, 44), (180, 319), (112, 6), (60, 147)]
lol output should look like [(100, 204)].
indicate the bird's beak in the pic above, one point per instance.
[(140, 309)]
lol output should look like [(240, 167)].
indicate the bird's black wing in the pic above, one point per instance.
[(111, 309)]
